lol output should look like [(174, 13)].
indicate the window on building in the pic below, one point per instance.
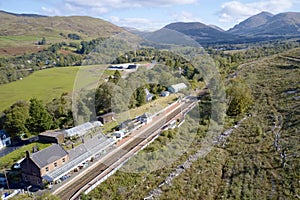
[(55, 164), (47, 169), (63, 160)]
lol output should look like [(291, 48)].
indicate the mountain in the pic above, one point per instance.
[(23, 14), (268, 25), (216, 27), (136, 31), (168, 36), (284, 24), (251, 23), (20, 32), (203, 34), (31, 25), (261, 27)]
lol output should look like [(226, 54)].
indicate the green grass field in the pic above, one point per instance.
[(7, 161), (24, 40), (50, 83)]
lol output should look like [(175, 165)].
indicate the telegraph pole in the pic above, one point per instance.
[(6, 180)]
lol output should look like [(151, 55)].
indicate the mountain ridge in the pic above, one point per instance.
[(261, 27), (251, 23), (26, 29), (19, 33)]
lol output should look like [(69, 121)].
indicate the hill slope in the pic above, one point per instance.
[(264, 24), (23, 30), (19, 25), (200, 32), (260, 27), (247, 164), (251, 23), (50, 83)]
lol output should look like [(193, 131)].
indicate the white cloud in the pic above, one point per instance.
[(99, 7), (185, 16), (140, 23), (50, 11), (236, 11), (84, 4)]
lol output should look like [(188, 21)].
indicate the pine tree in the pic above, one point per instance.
[(141, 96), (15, 119), (40, 120)]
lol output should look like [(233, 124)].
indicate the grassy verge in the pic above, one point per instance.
[(151, 107), (108, 127), (7, 161)]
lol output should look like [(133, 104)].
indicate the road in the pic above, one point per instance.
[(73, 189), (9, 149)]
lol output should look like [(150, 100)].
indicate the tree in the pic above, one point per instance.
[(61, 111), (74, 36), (239, 97), (15, 119), (40, 120), (43, 41), (141, 96), (115, 78), (103, 97)]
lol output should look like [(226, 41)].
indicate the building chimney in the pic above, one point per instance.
[(27, 154), (35, 149)]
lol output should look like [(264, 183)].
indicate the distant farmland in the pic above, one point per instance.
[(48, 84)]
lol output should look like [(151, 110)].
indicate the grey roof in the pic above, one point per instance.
[(179, 86), (82, 129), (49, 155), (80, 154), (77, 151), (107, 114), (52, 133), (145, 115)]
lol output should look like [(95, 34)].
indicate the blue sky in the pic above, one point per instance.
[(152, 15)]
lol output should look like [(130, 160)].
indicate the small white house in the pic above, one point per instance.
[(165, 94), (119, 134), (177, 87), (145, 118), (4, 139), (149, 96)]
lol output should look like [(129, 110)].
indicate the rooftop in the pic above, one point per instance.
[(49, 155), (179, 86), (81, 153), (107, 114), (51, 133)]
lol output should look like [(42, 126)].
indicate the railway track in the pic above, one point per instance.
[(90, 175)]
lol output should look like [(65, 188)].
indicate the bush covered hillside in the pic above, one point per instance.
[(258, 160), (20, 33)]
